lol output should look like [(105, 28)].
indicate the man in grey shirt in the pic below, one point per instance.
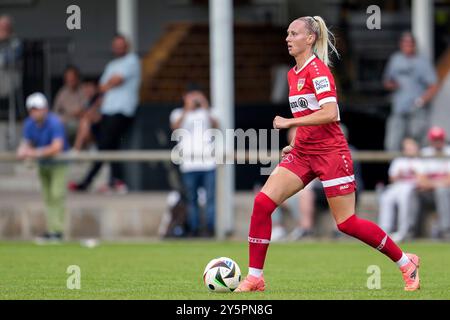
[(413, 82)]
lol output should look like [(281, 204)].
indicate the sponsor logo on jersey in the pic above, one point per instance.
[(345, 186), (321, 84), (300, 84), (289, 158), (300, 103)]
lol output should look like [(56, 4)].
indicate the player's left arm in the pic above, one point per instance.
[(328, 114)]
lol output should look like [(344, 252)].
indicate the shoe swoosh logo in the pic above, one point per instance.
[(413, 274)]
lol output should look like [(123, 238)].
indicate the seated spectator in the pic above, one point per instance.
[(43, 138), (89, 126), (434, 180), (119, 85), (70, 101), (401, 193)]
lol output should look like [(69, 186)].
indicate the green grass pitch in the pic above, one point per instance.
[(173, 270)]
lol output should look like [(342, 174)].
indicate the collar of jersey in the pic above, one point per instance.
[(305, 64)]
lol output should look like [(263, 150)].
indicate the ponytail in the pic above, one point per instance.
[(324, 38)]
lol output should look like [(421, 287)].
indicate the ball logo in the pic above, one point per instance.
[(228, 263), (321, 84)]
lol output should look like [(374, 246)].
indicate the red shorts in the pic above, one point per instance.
[(335, 170)]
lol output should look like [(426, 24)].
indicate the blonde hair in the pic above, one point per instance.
[(324, 38)]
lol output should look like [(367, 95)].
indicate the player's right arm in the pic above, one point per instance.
[(389, 82), (289, 147), (394, 172)]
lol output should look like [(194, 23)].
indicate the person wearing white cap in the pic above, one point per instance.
[(43, 138)]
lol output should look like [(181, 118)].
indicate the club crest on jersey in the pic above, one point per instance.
[(321, 84), (300, 83)]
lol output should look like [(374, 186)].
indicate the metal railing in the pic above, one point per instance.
[(239, 157)]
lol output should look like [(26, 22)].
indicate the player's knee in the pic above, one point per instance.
[(348, 226), (263, 204)]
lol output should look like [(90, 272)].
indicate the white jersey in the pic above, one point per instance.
[(196, 143), (435, 168), (405, 169), (430, 151)]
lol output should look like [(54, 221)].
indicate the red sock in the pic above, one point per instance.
[(260, 230), (371, 234)]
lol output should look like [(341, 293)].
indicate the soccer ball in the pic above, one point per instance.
[(222, 275)]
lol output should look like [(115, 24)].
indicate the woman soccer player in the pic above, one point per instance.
[(319, 149)]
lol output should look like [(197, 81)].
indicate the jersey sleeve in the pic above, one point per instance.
[(323, 84), (129, 68), (388, 73), (394, 168), (428, 72), (58, 131), (175, 115)]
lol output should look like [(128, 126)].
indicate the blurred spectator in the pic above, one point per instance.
[(10, 58), (437, 140), (198, 171), (401, 193), (413, 81), (43, 138), (303, 205), (434, 179), (10, 74), (89, 126), (119, 85), (70, 101)]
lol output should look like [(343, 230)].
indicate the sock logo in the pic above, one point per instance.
[(383, 242), (256, 240)]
